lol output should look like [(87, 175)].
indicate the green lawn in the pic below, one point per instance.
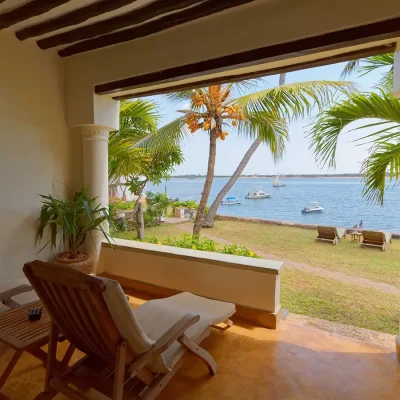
[(308, 294), (298, 245)]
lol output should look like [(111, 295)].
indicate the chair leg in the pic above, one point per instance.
[(67, 356), (10, 367), (119, 372), (51, 358), (199, 352)]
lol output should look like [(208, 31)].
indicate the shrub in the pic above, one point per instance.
[(118, 204), (157, 203), (187, 203), (187, 241)]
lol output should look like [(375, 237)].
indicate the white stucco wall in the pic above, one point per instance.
[(245, 281), (34, 146)]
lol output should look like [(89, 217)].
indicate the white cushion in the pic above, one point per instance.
[(340, 232), (157, 316), (144, 325), (124, 320)]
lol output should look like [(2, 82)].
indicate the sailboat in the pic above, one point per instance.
[(277, 182)]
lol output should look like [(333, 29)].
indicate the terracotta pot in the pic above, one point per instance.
[(81, 264)]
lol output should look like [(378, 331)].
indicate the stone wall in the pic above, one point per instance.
[(281, 223)]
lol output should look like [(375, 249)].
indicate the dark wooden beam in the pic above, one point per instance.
[(204, 9), (128, 19), (389, 29), (353, 55), (29, 10), (74, 17)]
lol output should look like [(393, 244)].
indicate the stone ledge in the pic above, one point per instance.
[(281, 223)]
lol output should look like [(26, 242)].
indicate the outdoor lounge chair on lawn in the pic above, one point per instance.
[(330, 234), (130, 354), (376, 239)]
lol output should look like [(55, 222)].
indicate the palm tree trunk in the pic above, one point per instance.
[(209, 220), (140, 222), (207, 184)]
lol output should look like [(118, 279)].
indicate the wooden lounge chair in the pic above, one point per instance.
[(376, 239), (128, 354), (330, 234)]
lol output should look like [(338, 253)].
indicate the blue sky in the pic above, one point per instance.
[(297, 159)]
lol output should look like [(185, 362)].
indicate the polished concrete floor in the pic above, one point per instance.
[(292, 363)]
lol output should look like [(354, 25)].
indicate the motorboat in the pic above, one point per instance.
[(258, 193), (277, 182), (229, 201), (313, 207)]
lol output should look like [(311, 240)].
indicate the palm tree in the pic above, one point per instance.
[(258, 115), (138, 119), (140, 152), (276, 150), (384, 109)]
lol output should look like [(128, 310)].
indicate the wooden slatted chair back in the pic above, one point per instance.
[(327, 232), (74, 301), (374, 237)]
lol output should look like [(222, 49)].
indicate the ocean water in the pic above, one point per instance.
[(341, 198)]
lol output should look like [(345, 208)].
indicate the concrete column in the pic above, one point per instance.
[(95, 174), (95, 161), (396, 73)]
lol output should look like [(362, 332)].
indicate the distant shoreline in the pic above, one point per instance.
[(338, 176)]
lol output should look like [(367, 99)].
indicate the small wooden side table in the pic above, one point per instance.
[(22, 335), (356, 237)]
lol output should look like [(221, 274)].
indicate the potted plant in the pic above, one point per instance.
[(71, 221)]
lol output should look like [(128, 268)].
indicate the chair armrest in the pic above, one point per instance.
[(174, 333), (7, 294), (162, 344)]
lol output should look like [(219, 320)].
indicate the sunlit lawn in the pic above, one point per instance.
[(309, 294), (298, 245)]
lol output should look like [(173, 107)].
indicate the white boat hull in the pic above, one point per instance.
[(319, 210), (262, 196), (230, 203)]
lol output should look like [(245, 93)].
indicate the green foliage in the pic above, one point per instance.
[(366, 65), (188, 241), (138, 119), (71, 220), (186, 203), (157, 203), (384, 150), (118, 204), (238, 251)]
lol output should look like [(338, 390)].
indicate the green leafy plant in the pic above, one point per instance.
[(187, 203), (204, 244), (70, 221), (118, 204), (157, 203)]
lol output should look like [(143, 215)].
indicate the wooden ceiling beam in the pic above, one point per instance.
[(134, 17), (353, 55), (201, 10), (363, 34), (28, 10), (74, 17)]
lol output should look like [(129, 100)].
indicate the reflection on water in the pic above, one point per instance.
[(341, 197)]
